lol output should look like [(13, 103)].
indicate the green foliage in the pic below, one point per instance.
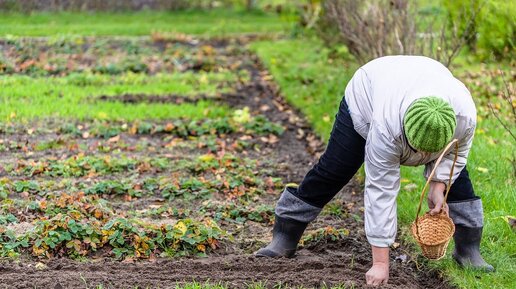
[(241, 213), (113, 187), (26, 186), (64, 234), (495, 26), (329, 233), (497, 29), (10, 244), (186, 189), (7, 219), (81, 165), (78, 225)]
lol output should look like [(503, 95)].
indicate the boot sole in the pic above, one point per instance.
[(265, 253)]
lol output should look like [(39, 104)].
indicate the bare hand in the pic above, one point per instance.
[(436, 198), (378, 274)]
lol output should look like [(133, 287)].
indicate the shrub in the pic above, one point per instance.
[(497, 29), (372, 29), (494, 30)]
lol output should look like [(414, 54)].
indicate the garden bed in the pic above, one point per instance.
[(106, 199)]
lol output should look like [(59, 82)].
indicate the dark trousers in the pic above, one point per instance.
[(343, 157)]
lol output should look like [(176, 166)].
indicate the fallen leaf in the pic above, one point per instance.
[(114, 139), (410, 187), (40, 266), (482, 170)]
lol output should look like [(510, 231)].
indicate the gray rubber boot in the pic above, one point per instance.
[(285, 236), (292, 217), (467, 248), (468, 217)]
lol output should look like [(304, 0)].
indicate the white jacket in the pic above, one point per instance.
[(377, 96)]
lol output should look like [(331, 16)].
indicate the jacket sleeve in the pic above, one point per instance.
[(442, 174), (382, 168)]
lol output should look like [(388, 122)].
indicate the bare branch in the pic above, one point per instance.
[(371, 29), (501, 121)]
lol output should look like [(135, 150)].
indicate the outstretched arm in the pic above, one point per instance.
[(382, 168)]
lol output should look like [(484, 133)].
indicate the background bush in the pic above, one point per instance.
[(497, 29), (494, 28)]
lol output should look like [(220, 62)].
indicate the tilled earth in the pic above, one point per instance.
[(334, 250)]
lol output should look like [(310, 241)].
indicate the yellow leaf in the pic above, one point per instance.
[(482, 170), (326, 118), (207, 157), (292, 185), (201, 248), (181, 227), (242, 115)]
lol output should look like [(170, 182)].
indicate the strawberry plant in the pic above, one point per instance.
[(64, 236), (113, 188), (240, 213), (4, 192), (26, 186), (328, 233), (187, 189), (187, 237), (10, 244), (7, 219)]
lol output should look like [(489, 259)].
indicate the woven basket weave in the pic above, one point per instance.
[(433, 232)]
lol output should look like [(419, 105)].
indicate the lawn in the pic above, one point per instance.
[(212, 23), (135, 143)]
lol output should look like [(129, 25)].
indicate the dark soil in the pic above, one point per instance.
[(319, 263), (342, 263)]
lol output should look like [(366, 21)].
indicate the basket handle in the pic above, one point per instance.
[(453, 142)]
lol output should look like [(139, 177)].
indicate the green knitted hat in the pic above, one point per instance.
[(429, 124)]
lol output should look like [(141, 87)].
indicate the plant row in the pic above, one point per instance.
[(63, 56), (79, 226)]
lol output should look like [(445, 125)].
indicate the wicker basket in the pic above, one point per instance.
[(433, 232)]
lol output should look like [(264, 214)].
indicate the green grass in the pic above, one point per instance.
[(309, 79), (205, 23), (313, 83), (76, 96)]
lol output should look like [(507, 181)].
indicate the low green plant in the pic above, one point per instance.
[(76, 225), (329, 233)]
